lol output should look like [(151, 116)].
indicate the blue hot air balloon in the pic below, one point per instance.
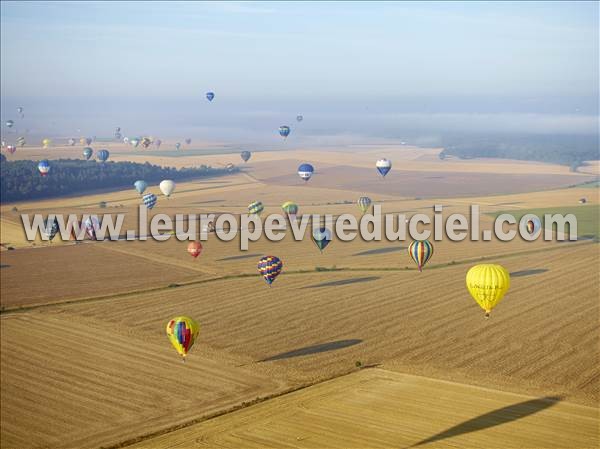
[(87, 153), (140, 186), (383, 166), (321, 237), (284, 131), (210, 96), (44, 167), (177, 146), (299, 118), (305, 171), (103, 155), (149, 200), (245, 155)]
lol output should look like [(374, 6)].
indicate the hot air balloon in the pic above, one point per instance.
[(91, 227), (487, 284), (44, 167), (305, 171), (135, 141), (71, 142), (11, 149), (270, 267), (230, 167), (167, 187), (118, 129), (245, 155), (157, 143), (9, 123), (284, 131), (102, 155), (182, 332), (364, 203), (87, 153), (255, 207), (82, 140), (188, 141), (146, 142), (140, 186), (299, 118), (21, 141), (321, 237), (149, 200), (383, 166), (194, 249), (420, 251), (50, 228), (88, 141), (177, 146), (533, 225), (126, 140), (291, 209), (20, 111), (46, 143), (210, 96)]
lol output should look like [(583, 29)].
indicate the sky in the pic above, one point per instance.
[(148, 65)]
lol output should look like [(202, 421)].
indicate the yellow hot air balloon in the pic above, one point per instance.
[(182, 332), (46, 143), (487, 284)]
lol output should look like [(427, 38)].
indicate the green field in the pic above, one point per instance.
[(588, 217)]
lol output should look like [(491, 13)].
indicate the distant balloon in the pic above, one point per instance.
[(167, 187), (157, 143), (11, 149), (140, 186), (194, 249), (270, 267), (46, 143), (103, 155), (149, 200), (230, 167), (305, 171), (322, 238), (284, 131), (88, 141), (533, 225), (420, 251), (299, 118), (182, 332), (9, 123), (146, 142), (245, 155), (291, 209), (118, 129), (87, 153), (188, 141), (71, 142), (82, 140), (44, 167), (126, 140), (50, 228), (255, 207), (210, 96), (20, 111), (91, 227), (177, 146), (487, 284), (21, 141), (364, 203), (135, 141), (383, 166)]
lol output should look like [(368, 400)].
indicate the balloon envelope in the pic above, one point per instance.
[(299, 118), (284, 131), (364, 203), (140, 186), (103, 155), (487, 284), (210, 96), (50, 228), (149, 200), (533, 225), (245, 155), (91, 227), (322, 238), (182, 332), (44, 167), (420, 252), (305, 171), (87, 153), (383, 166), (270, 267), (290, 208), (167, 187), (255, 207), (194, 249), (9, 123)]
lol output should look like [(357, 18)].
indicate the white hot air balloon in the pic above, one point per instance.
[(167, 187)]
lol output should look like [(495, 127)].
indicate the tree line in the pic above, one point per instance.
[(21, 180)]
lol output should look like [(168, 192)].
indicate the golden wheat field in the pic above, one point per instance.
[(390, 357)]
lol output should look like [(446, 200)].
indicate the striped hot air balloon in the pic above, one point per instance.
[(182, 332), (420, 251), (291, 209), (364, 203), (44, 167), (270, 267), (305, 171), (284, 131), (255, 207), (149, 200)]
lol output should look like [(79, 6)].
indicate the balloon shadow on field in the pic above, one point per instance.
[(372, 252), (496, 417), (4, 265), (314, 349), (243, 256), (524, 273), (344, 282)]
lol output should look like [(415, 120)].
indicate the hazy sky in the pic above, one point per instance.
[(431, 57)]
